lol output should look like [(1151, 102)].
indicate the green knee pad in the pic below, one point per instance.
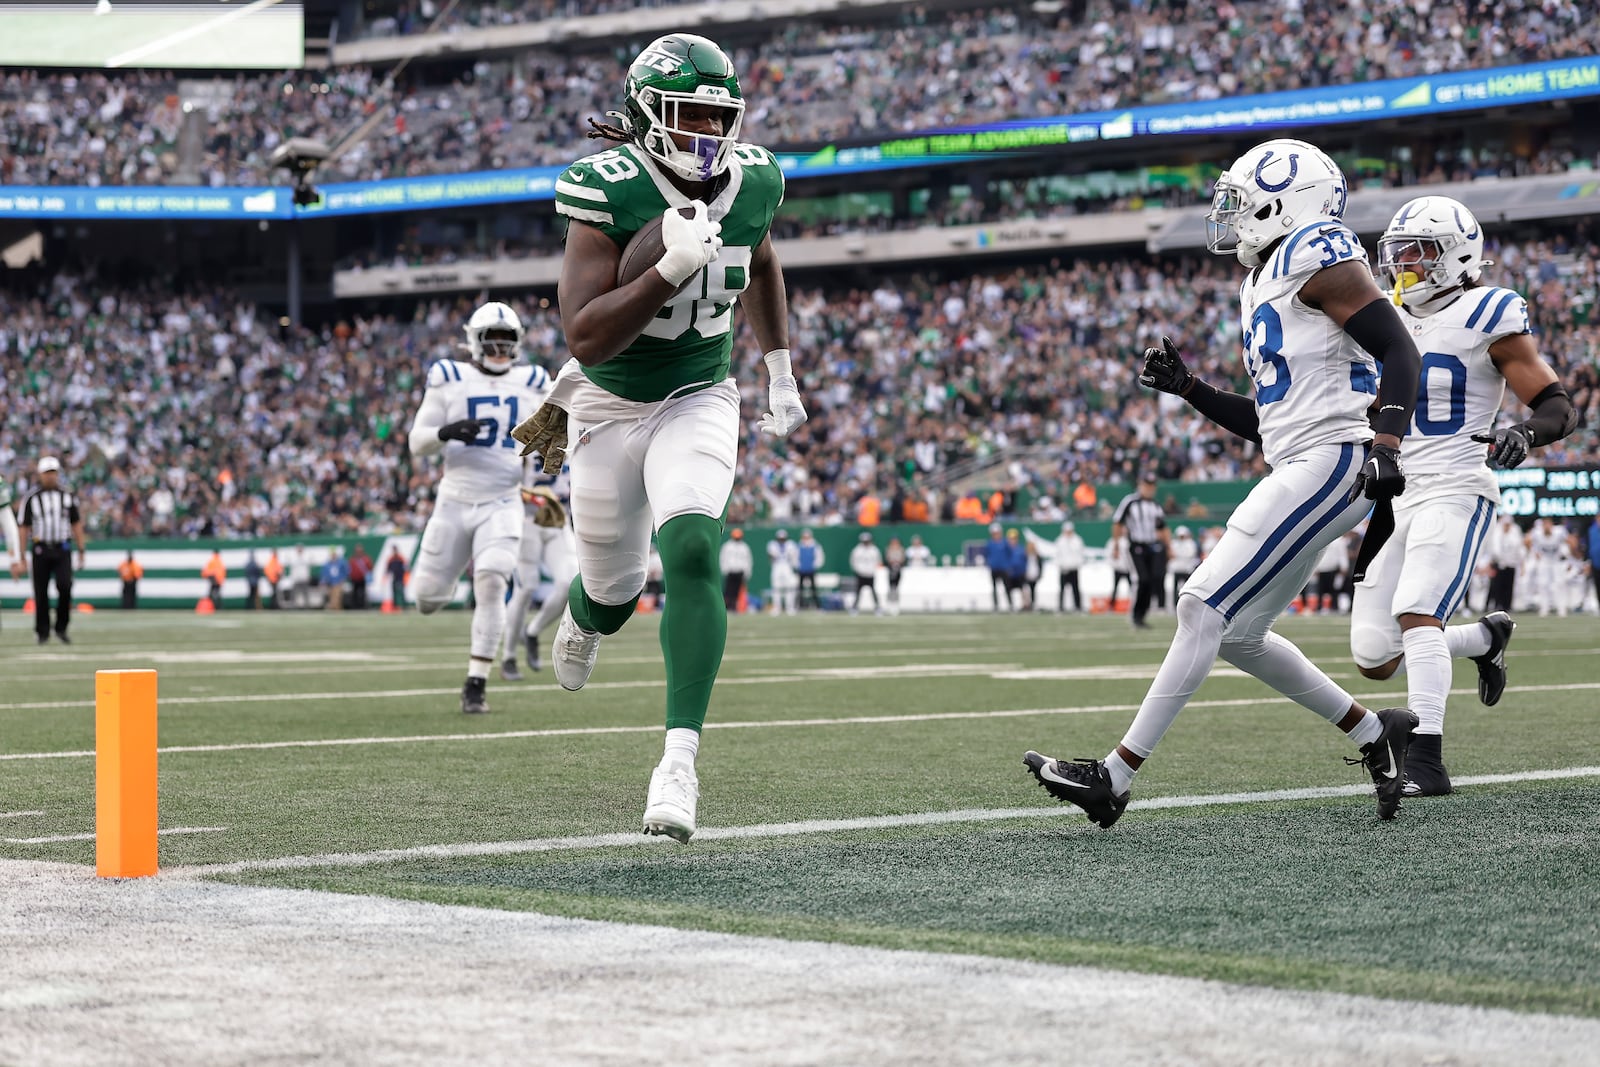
[(694, 624)]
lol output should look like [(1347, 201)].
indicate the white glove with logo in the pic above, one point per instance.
[(691, 243), (783, 396)]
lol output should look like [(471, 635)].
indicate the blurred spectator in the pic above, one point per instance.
[(785, 557), (299, 578), (360, 575), (130, 571), (997, 559), (215, 572), (894, 562), (273, 572), (865, 559), (335, 573), (396, 569), (253, 573), (809, 560), (736, 562), (1070, 556)]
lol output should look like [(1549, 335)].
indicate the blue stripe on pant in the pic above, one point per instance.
[(1476, 529), (1332, 487)]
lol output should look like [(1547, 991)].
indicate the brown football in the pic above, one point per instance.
[(645, 249)]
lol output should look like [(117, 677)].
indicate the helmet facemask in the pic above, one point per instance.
[(1414, 270), (1227, 205), (655, 115), (497, 349)]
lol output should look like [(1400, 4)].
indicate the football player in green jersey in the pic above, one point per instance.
[(646, 413)]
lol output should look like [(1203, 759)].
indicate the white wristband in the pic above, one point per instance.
[(778, 362)]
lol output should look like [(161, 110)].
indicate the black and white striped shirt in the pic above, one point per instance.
[(1142, 518), (49, 515)]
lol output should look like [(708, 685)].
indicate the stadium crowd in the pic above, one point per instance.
[(195, 415), (806, 84)]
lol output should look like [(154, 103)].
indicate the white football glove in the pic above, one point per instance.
[(783, 396), (691, 243)]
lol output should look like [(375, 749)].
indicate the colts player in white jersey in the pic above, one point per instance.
[(1475, 340), (1314, 326), (467, 413), (548, 545)]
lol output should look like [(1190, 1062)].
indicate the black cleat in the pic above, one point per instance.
[(1084, 782), (63, 638), (530, 642), (1492, 664), (475, 697), (1385, 758), (508, 670), (1425, 774)]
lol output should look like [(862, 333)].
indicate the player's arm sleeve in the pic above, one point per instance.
[(424, 438), (1234, 413), (1378, 329), (1553, 416)]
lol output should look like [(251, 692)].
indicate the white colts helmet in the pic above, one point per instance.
[(1433, 247), (1270, 190), (494, 338)]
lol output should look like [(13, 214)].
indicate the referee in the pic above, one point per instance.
[(52, 525), (1140, 517)]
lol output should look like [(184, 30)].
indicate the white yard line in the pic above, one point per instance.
[(59, 838), (822, 826), (19, 814), (749, 724)]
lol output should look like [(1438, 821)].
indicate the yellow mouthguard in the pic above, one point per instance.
[(1403, 281)]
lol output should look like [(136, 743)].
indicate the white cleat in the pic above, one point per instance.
[(669, 809), (574, 653)]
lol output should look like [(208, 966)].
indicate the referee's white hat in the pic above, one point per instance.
[(49, 463)]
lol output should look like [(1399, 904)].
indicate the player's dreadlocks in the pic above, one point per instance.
[(606, 131)]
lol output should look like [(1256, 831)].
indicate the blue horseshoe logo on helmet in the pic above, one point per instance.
[(1473, 236), (1294, 170)]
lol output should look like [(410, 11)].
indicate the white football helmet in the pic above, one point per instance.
[(494, 338), (1433, 247), (1268, 191)]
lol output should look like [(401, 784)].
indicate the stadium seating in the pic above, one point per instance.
[(806, 82), (194, 414)]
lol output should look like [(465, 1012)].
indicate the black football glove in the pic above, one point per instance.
[(1164, 369), (1381, 476), (1507, 447), (465, 430)]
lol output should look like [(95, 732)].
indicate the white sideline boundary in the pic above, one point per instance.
[(93, 967), (751, 724), (821, 826)]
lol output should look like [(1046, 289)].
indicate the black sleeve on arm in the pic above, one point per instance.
[(1553, 417), (1234, 413), (1378, 329)]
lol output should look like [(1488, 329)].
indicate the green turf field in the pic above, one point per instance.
[(1254, 856)]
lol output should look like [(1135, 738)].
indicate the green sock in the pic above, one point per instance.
[(594, 616), (694, 625)]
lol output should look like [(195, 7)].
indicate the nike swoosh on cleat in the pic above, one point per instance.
[(1051, 776), (1393, 770)]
